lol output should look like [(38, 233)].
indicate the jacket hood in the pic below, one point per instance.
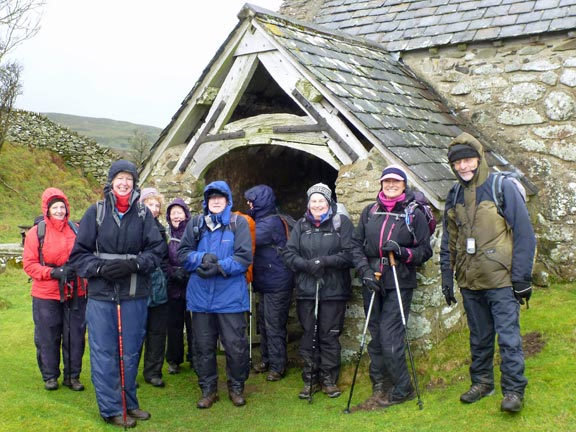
[(263, 201), (178, 202), (222, 187), (123, 165), (483, 170), (50, 194)]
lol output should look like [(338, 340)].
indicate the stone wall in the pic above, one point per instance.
[(35, 130), (520, 95)]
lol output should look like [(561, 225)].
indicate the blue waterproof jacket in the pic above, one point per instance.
[(270, 273), (227, 292)]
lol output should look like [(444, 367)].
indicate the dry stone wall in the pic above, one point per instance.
[(36, 130), (520, 95)]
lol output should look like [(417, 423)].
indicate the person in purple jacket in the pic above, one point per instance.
[(177, 216), (273, 281)]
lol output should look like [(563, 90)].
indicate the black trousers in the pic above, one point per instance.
[(231, 329), (155, 341), (178, 319), (273, 309), (59, 326), (387, 346), (321, 351)]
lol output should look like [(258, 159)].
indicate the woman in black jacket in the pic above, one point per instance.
[(385, 228), (318, 251)]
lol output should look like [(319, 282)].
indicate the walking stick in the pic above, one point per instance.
[(361, 350), (250, 323), (121, 354), (314, 341), (393, 265), (69, 361)]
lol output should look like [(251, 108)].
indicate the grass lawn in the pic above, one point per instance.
[(550, 402)]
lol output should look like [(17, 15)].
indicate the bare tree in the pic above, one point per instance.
[(139, 147), (19, 21)]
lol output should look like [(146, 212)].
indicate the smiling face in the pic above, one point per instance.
[(123, 183), (57, 210), (154, 206), (216, 204), (177, 215), (393, 188), (318, 205), (466, 167)]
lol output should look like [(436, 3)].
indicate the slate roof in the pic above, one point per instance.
[(404, 25), (379, 94)]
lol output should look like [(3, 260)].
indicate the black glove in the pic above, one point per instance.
[(118, 269), (522, 291), (396, 249), (63, 273), (209, 258), (370, 282), (210, 269), (180, 275), (315, 267), (448, 286)]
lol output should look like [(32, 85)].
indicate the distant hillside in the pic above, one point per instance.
[(109, 133)]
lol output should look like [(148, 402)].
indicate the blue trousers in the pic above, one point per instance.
[(103, 337), (495, 312), (273, 309)]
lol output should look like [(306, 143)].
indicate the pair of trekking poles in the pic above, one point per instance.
[(363, 341)]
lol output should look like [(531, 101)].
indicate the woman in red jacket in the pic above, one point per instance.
[(58, 295)]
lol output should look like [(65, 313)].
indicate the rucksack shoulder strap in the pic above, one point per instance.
[(41, 231)]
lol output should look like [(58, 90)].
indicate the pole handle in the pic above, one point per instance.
[(377, 275), (391, 259)]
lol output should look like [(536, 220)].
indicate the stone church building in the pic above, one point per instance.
[(335, 90)]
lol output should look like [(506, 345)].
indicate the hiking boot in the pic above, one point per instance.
[(260, 367), (308, 390), (119, 421), (173, 368), (389, 400), (51, 384), (73, 384), (512, 402), (139, 414), (237, 398), (156, 382), (206, 401), (331, 390), (477, 392), (274, 376)]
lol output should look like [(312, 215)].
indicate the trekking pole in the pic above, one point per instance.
[(400, 305), (361, 350), (314, 341), (121, 354), (250, 323), (69, 362)]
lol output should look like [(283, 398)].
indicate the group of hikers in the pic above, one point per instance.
[(136, 283)]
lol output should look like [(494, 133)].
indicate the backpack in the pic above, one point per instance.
[(420, 201), (159, 286), (288, 222), (336, 223), (101, 211), (497, 193), (198, 227), (41, 231)]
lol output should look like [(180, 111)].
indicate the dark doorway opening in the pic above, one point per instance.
[(289, 172)]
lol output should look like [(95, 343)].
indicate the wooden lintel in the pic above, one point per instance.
[(298, 128), (224, 136), (325, 126), (201, 137)]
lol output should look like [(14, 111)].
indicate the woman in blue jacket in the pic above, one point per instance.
[(273, 281), (217, 249)]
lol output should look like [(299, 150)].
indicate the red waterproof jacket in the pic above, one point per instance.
[(58, 242)]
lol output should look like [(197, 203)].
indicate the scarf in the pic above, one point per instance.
[(122, 202), (390, 203)]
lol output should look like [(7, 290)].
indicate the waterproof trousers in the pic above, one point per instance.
[(273, 309), (231, 329), (103, 337), (321, 350), (178, 319), (491, 313), (387, 344), (59, 326), (155, 341)]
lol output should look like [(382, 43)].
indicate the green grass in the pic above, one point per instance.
[(443, 374), (26, 173)]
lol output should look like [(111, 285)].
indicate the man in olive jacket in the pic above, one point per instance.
[(491, 256)]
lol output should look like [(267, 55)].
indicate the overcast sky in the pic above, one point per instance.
[(130, 60)]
